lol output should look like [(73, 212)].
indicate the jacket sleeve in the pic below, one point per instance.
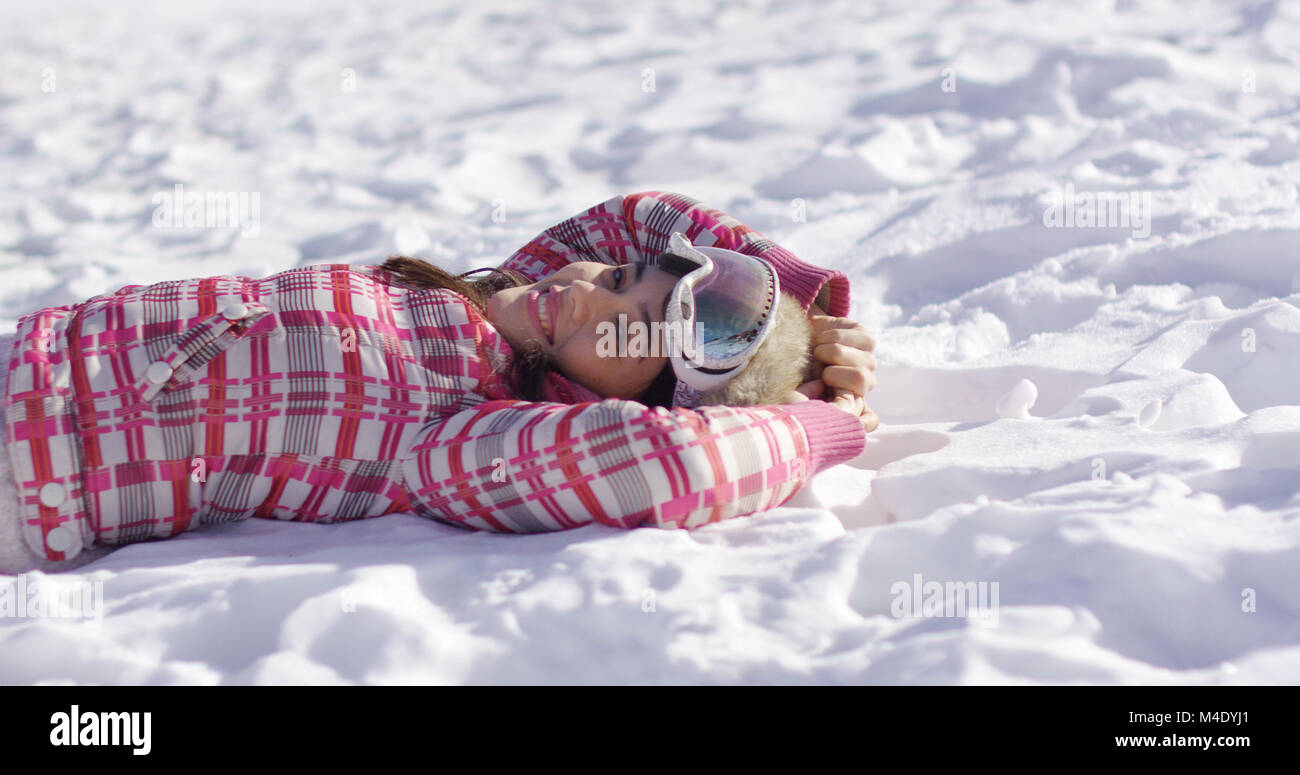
[(636, 227), (524, 467)]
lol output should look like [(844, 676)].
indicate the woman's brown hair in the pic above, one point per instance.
[(528, 369)]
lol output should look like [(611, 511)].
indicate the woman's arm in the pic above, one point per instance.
[(523, 467), (636, 227)]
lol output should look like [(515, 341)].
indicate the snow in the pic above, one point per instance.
[(1102, 419)]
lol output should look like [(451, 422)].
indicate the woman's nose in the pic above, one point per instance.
[(584, 296)]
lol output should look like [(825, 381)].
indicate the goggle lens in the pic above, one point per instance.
[(731, 303)]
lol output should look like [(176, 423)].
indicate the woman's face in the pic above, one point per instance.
[(563, 314)]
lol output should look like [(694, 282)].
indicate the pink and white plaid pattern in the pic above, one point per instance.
[(520, 467), (326, 393)]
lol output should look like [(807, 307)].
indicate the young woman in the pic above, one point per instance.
[(336, 392)]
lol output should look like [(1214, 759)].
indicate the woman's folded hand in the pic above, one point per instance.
[(845, 366)]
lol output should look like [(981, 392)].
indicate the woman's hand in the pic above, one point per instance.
[(844, 367), (843, 399)]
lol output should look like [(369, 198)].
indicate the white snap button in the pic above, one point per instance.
[(158, 372), (53, 494), (235, 311), (59, 539)]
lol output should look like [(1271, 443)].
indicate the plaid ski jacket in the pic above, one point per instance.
[(327, 393)]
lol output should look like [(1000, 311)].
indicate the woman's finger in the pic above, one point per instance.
[(862, 410), (869, 419), (848, 403), (823, 323), (853, 336), (812, 389), (854, 379), (828, 329), (844, 355)]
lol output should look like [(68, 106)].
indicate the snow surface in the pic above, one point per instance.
[(1104, 420)]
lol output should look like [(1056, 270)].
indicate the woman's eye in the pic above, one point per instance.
[(618, 277)]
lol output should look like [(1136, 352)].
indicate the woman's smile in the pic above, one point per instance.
[(542, 305)]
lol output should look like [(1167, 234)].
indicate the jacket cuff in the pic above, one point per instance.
[(805, 281), (834, 436)]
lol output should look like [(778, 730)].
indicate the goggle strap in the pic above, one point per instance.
[(703, 370), (676, 265)]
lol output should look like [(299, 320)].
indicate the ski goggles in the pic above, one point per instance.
[(719, 312)]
